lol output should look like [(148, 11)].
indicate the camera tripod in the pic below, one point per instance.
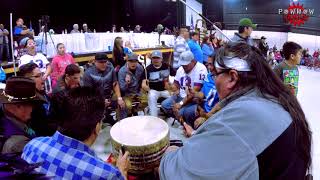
[(44, 38)]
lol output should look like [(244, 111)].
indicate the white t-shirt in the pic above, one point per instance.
[(194, 78), (39, 59)]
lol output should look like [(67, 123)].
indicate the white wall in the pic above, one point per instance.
[(198, 7), (279, 38)]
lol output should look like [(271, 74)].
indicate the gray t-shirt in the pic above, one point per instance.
[(133, 88)]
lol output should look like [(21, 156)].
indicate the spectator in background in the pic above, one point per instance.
[(287, 70), (263, 46), (33, 57), (123, 30), (4, 43), (180, 46), (277, 56), (207, 49), (59, 63), (245, 29), (274, 49), (118, 54), (40, 117), (316, 54), (86, 29), (215, 42), (137, 29), (21, 32), (75, 29), (270, 58), (114, 28), (195, 47), (127, 48)]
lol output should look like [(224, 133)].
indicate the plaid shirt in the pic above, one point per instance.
[(66, 158)]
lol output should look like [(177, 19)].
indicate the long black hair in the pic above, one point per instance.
[(265, 80)]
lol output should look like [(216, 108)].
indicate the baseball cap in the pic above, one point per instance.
[(157, 54), (185, 58), (101, 57), (247, 22), (132, 57)]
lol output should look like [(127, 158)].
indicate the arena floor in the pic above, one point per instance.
[(308, 95)]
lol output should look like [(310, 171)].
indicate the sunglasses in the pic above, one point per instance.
[(215, 75)]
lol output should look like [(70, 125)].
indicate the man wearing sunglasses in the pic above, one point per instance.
[(40, 121), (260, 131)]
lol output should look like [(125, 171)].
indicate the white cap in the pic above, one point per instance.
[(186, 58)]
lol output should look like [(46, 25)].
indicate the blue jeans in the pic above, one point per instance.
[(188, 112), (4, 48)]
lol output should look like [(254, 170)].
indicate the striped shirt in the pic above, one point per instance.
[(180, 46)]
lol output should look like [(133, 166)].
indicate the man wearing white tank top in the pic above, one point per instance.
[(189, 79)]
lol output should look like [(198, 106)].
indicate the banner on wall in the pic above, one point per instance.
[(191, 16)]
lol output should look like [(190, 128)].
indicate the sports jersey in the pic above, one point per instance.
[(193, 78), (38, 59)]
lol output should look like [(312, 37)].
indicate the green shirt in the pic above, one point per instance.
[(289, 75)]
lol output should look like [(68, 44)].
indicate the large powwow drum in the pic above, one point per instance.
[(145, 137)]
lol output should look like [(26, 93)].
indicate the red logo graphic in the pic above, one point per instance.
[(296, 14)]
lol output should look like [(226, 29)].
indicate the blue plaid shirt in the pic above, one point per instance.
[(66, 158)]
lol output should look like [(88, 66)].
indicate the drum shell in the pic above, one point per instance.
[(143, 159)]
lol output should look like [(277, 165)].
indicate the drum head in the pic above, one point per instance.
[(139, 130)]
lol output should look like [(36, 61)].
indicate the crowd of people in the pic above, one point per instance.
[(225, 95)]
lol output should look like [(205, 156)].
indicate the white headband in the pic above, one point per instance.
[(234, 63)]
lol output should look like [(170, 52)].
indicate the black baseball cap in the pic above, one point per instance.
[(101, 57)]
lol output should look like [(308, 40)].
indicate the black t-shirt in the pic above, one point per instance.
[(158, 76)]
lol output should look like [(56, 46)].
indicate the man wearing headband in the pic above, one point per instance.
[(260, 131), (245, 29)]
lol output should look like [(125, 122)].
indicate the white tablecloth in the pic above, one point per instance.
[(95, 42)]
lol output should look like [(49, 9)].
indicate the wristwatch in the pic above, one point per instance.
[(119, 98), (181, 103)]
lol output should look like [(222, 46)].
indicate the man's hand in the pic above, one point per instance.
[(121, 103), (201, 112), (187, 129), (171, 149), (107, 102), (198, 122), (176, 107), (128, 79), (145, 85), (123, 163)]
